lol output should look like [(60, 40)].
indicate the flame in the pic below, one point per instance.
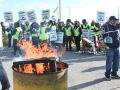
[(33, 52), (42, 51), (39, 67)]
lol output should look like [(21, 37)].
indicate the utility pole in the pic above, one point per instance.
[(60, 10), (69, 12), (118, 13)]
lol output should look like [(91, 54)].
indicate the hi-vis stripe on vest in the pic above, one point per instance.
[(76, 32), (112, 31), (68, 31)]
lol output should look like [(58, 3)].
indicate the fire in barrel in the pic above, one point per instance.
[(39, 70)]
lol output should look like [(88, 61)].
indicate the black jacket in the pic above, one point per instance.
[(114, 32)]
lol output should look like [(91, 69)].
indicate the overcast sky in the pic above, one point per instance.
[(79, 9)]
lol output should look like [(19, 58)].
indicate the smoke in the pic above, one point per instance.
[(17, 59)]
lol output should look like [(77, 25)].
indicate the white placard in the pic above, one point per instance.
[(53, 30), (45, 15), (8, 16), (1, 42), (59, 37), (31, 16), (53, 37), (22, 16), (100, 17)]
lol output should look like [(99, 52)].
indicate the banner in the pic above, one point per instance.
[(100, 17), (56, 14), (45, 15), (59, 37), (31, 16), (22, 16), (8, 16)]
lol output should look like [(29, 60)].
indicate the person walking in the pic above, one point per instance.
[(111, 40)]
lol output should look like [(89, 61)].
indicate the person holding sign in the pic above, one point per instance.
[(44, 33), (9, 29), (60, 29), (35, 34), (68, 32), (27, 31), (112, 42), (77, 35)]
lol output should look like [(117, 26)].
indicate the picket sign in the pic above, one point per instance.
[(22, 16), (89, 34), (45, 15), (53, 34), (59, 37), (31, 16), (8, 16)]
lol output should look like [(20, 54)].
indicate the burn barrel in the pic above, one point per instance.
[(54, 80)]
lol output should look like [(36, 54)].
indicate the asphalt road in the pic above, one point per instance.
[(85, 72)]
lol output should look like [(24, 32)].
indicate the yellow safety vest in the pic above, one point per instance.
[(76, 32), (97, 33), (92, 27), (17, 33), (68, 31), (27, 28), (84, 27), (43, 35), (36, 35)]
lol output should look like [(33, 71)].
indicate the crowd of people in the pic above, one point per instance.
[(40, 32)]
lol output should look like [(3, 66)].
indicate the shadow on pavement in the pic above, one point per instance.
[(94, 69), (70, 57), (84, 85)]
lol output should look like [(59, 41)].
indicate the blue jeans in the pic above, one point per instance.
[(3, 77), (112, 61)]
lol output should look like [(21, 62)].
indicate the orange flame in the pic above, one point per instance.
[(33, 52), (42, 51)]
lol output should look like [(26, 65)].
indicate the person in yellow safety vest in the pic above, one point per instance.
[(9, 29), (92, 27), (60, 29), (27, 31), (84, 24), (68, 32), (44, 34), (77, 35), (97, 29), (35, 34), (17, 34)]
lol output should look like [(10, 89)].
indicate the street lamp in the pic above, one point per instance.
[(69, 12)]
